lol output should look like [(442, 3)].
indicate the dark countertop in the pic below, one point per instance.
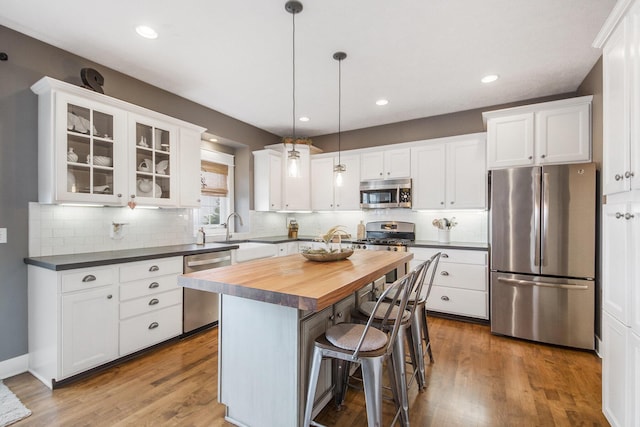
[(93, 259), (473, 246)]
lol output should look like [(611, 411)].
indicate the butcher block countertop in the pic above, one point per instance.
[(294, 281)]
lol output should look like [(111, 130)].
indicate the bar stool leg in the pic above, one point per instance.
[(425, 330), (372, 379), (341, 378), (416, 338), (316, 361), (400, 373)]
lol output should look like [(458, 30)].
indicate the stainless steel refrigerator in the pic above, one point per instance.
[(543, 253)]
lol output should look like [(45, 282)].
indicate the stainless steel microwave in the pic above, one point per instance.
[(385, 193)]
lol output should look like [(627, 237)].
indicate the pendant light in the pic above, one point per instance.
[(293, 156), (339, 169)]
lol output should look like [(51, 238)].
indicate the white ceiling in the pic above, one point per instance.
[(425, 56)]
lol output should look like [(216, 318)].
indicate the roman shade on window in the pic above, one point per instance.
[(213, 177)]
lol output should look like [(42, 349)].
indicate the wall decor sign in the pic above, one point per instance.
[(92, 79)]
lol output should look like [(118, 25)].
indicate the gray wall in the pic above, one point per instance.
[(29, 60)]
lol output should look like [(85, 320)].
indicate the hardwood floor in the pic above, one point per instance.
[(478, 379)]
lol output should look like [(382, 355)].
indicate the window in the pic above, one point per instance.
[(216, 176)]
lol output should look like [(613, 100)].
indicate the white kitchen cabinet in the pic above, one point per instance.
[(287, 248), (450, 174), (621, 106), (73, 321), (95, 149), (296, 194), (460, 285), (325, 195), (153, 167), (82, 318), (149, 313), (267, 180), (89, 329), (616, 383), (189, 167), (547, 133), (385, 164)]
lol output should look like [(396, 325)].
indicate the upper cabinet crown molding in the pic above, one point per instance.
[(535, 108)]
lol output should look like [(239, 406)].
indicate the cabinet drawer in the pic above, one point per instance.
[(465, 276), (87, 278), (144, 287), (150, 303), (151, 268), (143, 331), (462, 256), (462, 302)]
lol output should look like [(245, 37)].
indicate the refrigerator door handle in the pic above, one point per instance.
[(536, 218), (545, 216), (519, 282)]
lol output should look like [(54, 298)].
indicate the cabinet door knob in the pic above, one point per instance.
[(154, 268), (340, 315), (619, 215), (543, 156), (444, 298), (154, 325), (133, 196), (88, 278), (628, 216), (618, 177), (154, 301), (119, 195), (530, 157), (331, 317), (442, 203), (452, 202), (444, 273), (154, 285), (628, 174), (380, 173)]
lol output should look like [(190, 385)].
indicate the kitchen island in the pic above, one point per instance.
[(271, 311)]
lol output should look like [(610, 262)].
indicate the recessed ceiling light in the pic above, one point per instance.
[(382, 102), (304, 119), (146, 32), (489, 78), (213, 140)]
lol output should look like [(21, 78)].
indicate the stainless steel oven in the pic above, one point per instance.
[(393, 236)]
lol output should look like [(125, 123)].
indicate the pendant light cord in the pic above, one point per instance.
[(339, 106), (293, 118)]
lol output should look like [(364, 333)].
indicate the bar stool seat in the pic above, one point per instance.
[(368, 346)]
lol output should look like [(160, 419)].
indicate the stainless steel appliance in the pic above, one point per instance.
[(543, 231), (385, 193), (388, 236), (200, 308)]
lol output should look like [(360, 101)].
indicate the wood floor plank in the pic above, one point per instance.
[(478, 379)]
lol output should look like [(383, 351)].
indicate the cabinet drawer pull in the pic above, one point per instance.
[(154, 301), (154, 325), (619, 215), (89, 278), (444, 273), (154, 268), (628, 174), (154, 285), (444, 298), (444, 255), (628, 216), (618, 177)]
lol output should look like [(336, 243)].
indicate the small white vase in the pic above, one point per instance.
[(444, 236), (71, 156)]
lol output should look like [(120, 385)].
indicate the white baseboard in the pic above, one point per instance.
[(15, 366)]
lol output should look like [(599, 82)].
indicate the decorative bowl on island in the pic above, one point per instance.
[(323, 255)]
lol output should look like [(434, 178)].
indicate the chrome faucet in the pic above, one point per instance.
[(226, 224)]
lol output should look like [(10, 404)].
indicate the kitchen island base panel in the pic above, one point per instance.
[(259, 387)]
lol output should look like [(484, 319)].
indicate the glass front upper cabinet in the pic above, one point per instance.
[(154, 165), (91, 146)]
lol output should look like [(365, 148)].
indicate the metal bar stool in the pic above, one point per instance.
[(367, 345), (377, 309)]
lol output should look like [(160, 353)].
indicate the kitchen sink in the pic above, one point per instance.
[(253, 250)]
